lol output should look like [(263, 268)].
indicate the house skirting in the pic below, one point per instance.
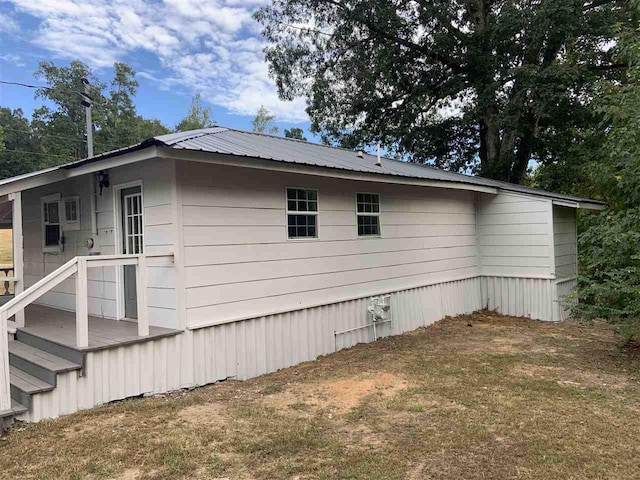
[(536, 298), (249, 348)]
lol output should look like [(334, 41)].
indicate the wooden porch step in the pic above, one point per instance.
[(39, 363), (54, 348), (23, 385), (16, 409)]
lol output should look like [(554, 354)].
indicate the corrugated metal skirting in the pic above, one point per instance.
[(565, 287), (245, 349), (540, 299)]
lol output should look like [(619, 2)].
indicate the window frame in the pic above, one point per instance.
[(296, 212), (49, 199), (377, 214), (74, 224)]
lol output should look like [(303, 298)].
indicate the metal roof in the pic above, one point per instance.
[(268, 147), (228, 141)]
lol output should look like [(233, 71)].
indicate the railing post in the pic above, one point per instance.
[(5, 387), (82, 309), (18, 251), (141, 292)]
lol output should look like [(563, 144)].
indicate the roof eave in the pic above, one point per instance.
[(246, 161), (136, 153), (585, 205)]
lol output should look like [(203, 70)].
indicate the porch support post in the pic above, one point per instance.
[(141, 292), (82, 309), (5, 387), (18, 252)]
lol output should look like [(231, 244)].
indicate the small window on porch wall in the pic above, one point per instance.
[(51, 224), (71, 213)]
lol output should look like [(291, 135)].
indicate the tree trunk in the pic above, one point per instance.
[(525, 147)]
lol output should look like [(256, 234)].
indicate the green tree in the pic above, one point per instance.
[(295, 132), (62, 126), (117, 127), (199, 116), (22, 151), (481, 84), (148, 128), (264, 122), (609, 247), (2, 146)]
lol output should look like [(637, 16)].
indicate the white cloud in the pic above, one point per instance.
[(212, 47), (12, 58), (8, 24)]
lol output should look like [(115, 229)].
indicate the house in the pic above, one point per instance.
[(212, 254)]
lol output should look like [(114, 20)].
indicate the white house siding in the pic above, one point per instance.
[(158, 180), (244, 349), (516, 250), (240, 264), (515, 235), (565, 242)]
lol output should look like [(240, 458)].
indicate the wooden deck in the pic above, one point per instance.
[(59, 326)]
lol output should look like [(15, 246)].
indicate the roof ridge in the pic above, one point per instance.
[(200, 132)]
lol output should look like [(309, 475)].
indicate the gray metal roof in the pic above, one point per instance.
[(229, 141)]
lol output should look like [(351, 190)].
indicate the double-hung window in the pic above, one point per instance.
[(368, 214), (51, 225), (302, 213)]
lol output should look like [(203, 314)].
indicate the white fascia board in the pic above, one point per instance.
[(45, 177), (261, 164), (583, 205)]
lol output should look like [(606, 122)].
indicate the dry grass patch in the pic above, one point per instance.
[(502, 398)]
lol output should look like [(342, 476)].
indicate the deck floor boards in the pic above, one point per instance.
[(59, 326)]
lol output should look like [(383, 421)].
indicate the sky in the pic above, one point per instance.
[(177, 47)]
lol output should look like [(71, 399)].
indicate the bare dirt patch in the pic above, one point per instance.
[(339, 395)]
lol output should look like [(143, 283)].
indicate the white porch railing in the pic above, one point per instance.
[(77, 266), (7, 281)]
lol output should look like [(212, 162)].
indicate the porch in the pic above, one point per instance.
[(59, 327), (39, 343)]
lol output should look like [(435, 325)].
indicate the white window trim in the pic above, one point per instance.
[(369, 214), (295, 212), (71, 225), (44, 200)]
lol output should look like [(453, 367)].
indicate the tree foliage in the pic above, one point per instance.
[(609, 245), (57, 131), (265, 122), (295, 132), (485, 85), (199, 116)]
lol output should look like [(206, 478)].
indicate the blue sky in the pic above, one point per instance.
[(178, 48)]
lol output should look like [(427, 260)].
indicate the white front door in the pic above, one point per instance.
[(132, 243)]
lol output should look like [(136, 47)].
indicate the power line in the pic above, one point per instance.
[(28, 85), (62, 137), (25, 85), (36, 153), (35, 132)]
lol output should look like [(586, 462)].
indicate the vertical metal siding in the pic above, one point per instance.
[(564, 287), (520, 297), (244, 349)]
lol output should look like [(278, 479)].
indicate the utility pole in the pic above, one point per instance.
[(88, 103)]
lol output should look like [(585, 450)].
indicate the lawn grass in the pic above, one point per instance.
[(504, 398)]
